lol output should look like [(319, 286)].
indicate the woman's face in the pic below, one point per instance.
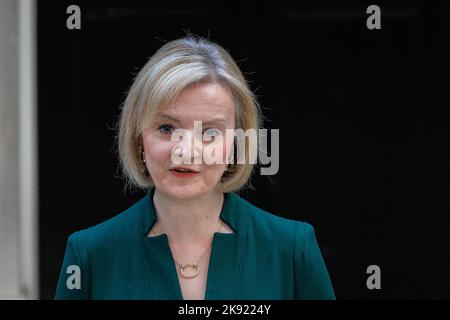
[(210, 103)]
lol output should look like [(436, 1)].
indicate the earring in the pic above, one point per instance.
[(142, 154)]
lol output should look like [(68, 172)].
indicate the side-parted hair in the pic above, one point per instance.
[(176, 65)]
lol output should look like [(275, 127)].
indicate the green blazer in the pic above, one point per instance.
[(267, 257)]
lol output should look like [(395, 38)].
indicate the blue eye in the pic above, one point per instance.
[(165, 129)]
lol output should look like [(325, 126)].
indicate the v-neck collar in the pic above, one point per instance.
[(224, 263)]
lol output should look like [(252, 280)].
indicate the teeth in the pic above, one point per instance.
[(182, 170)]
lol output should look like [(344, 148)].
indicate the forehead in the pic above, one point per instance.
[(201, 102)]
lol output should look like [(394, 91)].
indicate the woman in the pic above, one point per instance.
[(191, 236)]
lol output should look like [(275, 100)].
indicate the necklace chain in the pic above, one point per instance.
[(194, 265)]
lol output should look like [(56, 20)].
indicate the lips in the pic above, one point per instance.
[(183, 172)]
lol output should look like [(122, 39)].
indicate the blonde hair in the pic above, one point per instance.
[(176, 65)]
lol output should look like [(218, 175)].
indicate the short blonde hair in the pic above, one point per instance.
[(176, 65)]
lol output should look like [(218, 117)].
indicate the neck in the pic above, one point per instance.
[(188, 220)]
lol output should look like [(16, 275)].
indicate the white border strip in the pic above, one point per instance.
[(28, 168)]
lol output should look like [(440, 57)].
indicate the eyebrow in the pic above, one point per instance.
[(214, 120), (169, 117)]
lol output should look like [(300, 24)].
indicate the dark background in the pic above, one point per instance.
[(363, 118)]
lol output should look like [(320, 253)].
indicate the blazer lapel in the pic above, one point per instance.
[(227, 253), (158, 264), (224, 266), (161, 272)]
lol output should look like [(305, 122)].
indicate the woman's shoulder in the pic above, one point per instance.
[(286, 236), (118, 228), (273, 225)]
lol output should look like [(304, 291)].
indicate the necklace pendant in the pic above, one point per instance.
[(193, 266)]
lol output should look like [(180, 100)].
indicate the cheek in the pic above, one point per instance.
[(157, 151)]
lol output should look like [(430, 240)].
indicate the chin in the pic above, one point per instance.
[(184, 191)]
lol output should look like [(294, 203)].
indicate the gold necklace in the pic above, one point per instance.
[(193, 265)]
